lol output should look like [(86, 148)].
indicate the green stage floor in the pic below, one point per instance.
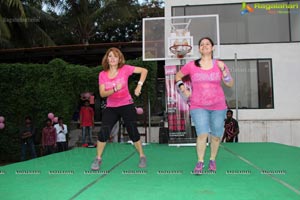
[(244, 171)]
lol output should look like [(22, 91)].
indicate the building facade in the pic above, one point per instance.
[(265, 37)]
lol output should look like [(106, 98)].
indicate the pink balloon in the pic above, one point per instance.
[(2, 125), (2, 119), (50, 116), (139, 111), (55, 119)]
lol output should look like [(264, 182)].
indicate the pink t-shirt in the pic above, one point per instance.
[(207, 92), (121, 97)]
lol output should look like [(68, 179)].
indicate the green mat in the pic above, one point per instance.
[(244, 171)]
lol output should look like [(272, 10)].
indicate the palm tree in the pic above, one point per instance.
[(80, 16), (16, 7), (22, 24), (91, 21), (83, 15)]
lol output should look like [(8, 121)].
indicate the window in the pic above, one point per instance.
[(261, 26), (254, 84)]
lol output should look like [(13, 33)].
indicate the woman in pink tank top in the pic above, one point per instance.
[(207, 101), (113, 84)]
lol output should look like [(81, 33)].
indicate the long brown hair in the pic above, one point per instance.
[(117, 53)]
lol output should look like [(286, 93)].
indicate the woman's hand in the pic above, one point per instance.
[(227, 79), (187, 93), (138, 90), (221, 65), (118, 86)]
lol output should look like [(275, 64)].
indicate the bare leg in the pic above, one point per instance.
[(100, 148), (215, 143), (139, 148), (97, 162), (201, 146)]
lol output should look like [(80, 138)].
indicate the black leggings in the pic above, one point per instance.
[(111, 115)]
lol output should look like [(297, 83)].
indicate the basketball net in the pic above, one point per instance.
[(180, 41)]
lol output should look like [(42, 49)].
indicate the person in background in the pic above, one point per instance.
[(27, 135), (231, 130), (48, 138), (86, 118), (61, 135)]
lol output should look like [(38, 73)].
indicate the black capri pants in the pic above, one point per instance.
[(110, 115)]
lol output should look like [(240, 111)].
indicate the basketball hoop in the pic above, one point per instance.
[(180, 50)]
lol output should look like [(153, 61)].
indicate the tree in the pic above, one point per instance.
[(152, 8), (79, 17), (16, 8), (29, 23), (119, 22), (22, 24), (102, 21)]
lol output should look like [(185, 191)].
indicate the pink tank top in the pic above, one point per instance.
[(207, 91), (121, 97)]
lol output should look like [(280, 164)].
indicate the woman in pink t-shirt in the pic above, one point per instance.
[(113, 84), (207, 101)]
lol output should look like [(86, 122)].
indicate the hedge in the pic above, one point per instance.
[(37, 89)]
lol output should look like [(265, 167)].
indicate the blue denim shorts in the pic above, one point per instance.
[(209, 121)]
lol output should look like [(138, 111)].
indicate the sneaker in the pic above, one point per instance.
[(96, 164), (85, 145), (143, 162), (212, 165), (198, 168)]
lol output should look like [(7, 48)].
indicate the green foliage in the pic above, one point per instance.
[(37, 89), (9, 143), (149, 86), (23, 24)]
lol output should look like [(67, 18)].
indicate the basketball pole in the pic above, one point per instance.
[(235, 86), (188, 124), (149, 117)]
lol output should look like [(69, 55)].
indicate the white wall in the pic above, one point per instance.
[(286, 70), (281, 124), (280, 131)]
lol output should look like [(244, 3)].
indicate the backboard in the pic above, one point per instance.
[(164, 37)]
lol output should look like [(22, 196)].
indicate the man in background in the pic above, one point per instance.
[(231, 130), (27, 135)]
